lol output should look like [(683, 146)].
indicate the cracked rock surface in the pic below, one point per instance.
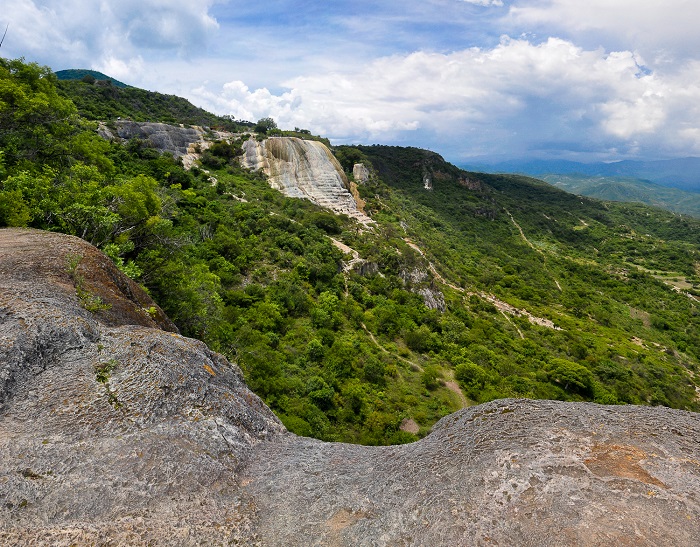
[(114, 429)]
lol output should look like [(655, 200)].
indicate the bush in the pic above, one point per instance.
[(570, 376), (429, 378)]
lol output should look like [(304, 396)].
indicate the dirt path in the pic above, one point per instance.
[(383, 349), (529, 244), (450, 383), (343, 247), (453, 386), (522, 234), (503, 307), (351, 263), (522, 336)]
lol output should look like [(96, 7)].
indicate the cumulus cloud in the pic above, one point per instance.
[(599, 78), (101, 33), (662, 27), (518, 95)]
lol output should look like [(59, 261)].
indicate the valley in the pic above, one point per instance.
[(429, 287), (346, 345)]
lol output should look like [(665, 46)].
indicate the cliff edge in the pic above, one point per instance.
[(116, 430)]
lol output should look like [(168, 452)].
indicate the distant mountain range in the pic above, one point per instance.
[(629, 190), (80, 73), (683, 173)]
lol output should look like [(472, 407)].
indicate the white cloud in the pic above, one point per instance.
[(662, 27), (125, 70), (515, 95), (70, 33), (621, 77)]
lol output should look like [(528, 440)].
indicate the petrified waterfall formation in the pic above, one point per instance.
[(303, 169)]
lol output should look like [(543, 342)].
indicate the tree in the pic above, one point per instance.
[(36, 123), (264, 125), (571, 376)]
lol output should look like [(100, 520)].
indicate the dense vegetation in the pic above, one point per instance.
[(100, 100), (88, 76), (348, 355)]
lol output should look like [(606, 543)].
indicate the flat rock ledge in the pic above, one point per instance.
[(116, 430)]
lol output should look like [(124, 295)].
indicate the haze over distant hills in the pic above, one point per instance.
[(670, 184), (683, 173)]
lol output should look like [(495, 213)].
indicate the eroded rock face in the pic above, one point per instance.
[(166, 138), (511, 472), (114, 430), (111, 428), (303, 169), (360, 173)]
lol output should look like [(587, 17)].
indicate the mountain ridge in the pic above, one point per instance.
[(681, 173), (430, 310), (88, 75)]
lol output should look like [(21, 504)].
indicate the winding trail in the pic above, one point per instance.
[(503, 307), (450, 383), (384, 350), (453, 386), (522, 234), (529, 244)]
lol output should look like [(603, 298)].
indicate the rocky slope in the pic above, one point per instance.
[(185, 142), (115, 429), (304, 169), (174, 139), (298, 168)]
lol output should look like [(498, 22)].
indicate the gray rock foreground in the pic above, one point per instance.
[(115, 430)]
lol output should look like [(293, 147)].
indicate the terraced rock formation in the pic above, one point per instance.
[(116, 430), (304, 169)]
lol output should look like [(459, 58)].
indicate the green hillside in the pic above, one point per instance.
[(630, 190), (105, 102), (88, 76), (547, 294)]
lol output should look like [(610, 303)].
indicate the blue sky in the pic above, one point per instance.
[(470, 79)]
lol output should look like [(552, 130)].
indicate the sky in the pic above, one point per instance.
[(474, 80)]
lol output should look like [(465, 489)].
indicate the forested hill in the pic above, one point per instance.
[(470, 287), (88, 76), (99, 100)]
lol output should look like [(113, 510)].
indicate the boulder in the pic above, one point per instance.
[(114, 429)]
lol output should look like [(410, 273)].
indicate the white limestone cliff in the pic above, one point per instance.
[(304, 169)]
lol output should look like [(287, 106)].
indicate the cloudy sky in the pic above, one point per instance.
[(470, 79)]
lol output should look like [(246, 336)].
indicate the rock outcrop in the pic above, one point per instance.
[(115, 430), (182, 142), (298, 168), (304, 169), (178, 140), (360, 173)]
